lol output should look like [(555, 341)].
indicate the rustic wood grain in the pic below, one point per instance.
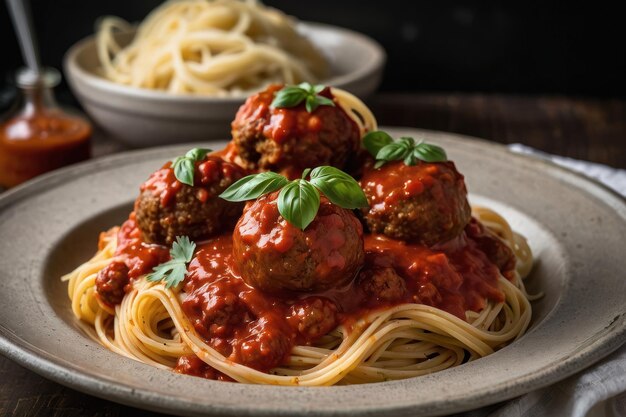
[(588, 129), (580, 128)]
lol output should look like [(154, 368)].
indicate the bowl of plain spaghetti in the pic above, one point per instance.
[(181, 74)]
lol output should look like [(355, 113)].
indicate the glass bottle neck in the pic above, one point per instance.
[(37, 100)]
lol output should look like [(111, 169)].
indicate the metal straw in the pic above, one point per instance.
[(21, 16)]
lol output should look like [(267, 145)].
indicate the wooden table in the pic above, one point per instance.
[(588, 129)]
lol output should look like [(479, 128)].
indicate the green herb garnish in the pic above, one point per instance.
[(254, 186), (382, 147), (174, 270), (299, 200), (184, 166), (298, 203), (292, 95)]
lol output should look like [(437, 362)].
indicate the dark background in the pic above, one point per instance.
[(548, 75), (466, 46)]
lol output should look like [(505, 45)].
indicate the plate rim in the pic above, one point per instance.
[(17, 349)]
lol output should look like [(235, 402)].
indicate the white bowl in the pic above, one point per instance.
[(141, 117)]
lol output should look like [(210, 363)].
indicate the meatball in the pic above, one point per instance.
[(492, 246), (382, 284), (314, 317), (111, 281), (221, 310), (167, 208), (288, 140), (263, 349), (273, 255), (425, 203)]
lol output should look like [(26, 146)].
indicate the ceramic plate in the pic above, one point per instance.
[(575, 227)]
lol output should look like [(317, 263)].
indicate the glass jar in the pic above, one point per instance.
[(37, 136)]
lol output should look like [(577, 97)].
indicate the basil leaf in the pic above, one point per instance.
[(410, 159), (384, 149), (375, 141), (254, 186), (289, 97), (310, 103), (292, 96), (380, 163), (197, 154), (392, 152), (298, 203), (340, 188), (407, 141), (430, 153), (184, 166), (323, 101), (183, 170), (307, 87), (177, 160), (313, 102), (318, 89)]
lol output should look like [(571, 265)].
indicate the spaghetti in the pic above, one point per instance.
[(356, 110), (209, 47), (402, 341)]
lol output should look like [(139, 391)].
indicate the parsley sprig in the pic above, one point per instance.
[(174, 270), (184, 166), (299, 200), (292, 95), (382, 147)]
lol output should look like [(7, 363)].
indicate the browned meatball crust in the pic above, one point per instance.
[(314, 317), (167, 208), (288, 140), (426, 202), (383, 284), (273, 255)]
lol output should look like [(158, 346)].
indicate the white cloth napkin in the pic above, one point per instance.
[(598, 391), (612, 177)]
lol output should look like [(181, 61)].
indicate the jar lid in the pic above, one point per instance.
[(47, 77)]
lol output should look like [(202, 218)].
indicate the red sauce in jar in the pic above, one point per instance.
[(47, 140)]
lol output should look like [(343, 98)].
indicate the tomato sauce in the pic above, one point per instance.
[(34, 144), (258, 329), (290, 139), (242, 323), (283, 122), (139, 257), (396, 181), (211, 170), (272, 254), (455, 278)]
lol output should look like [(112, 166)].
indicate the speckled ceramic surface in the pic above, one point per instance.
[(577, 230)]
